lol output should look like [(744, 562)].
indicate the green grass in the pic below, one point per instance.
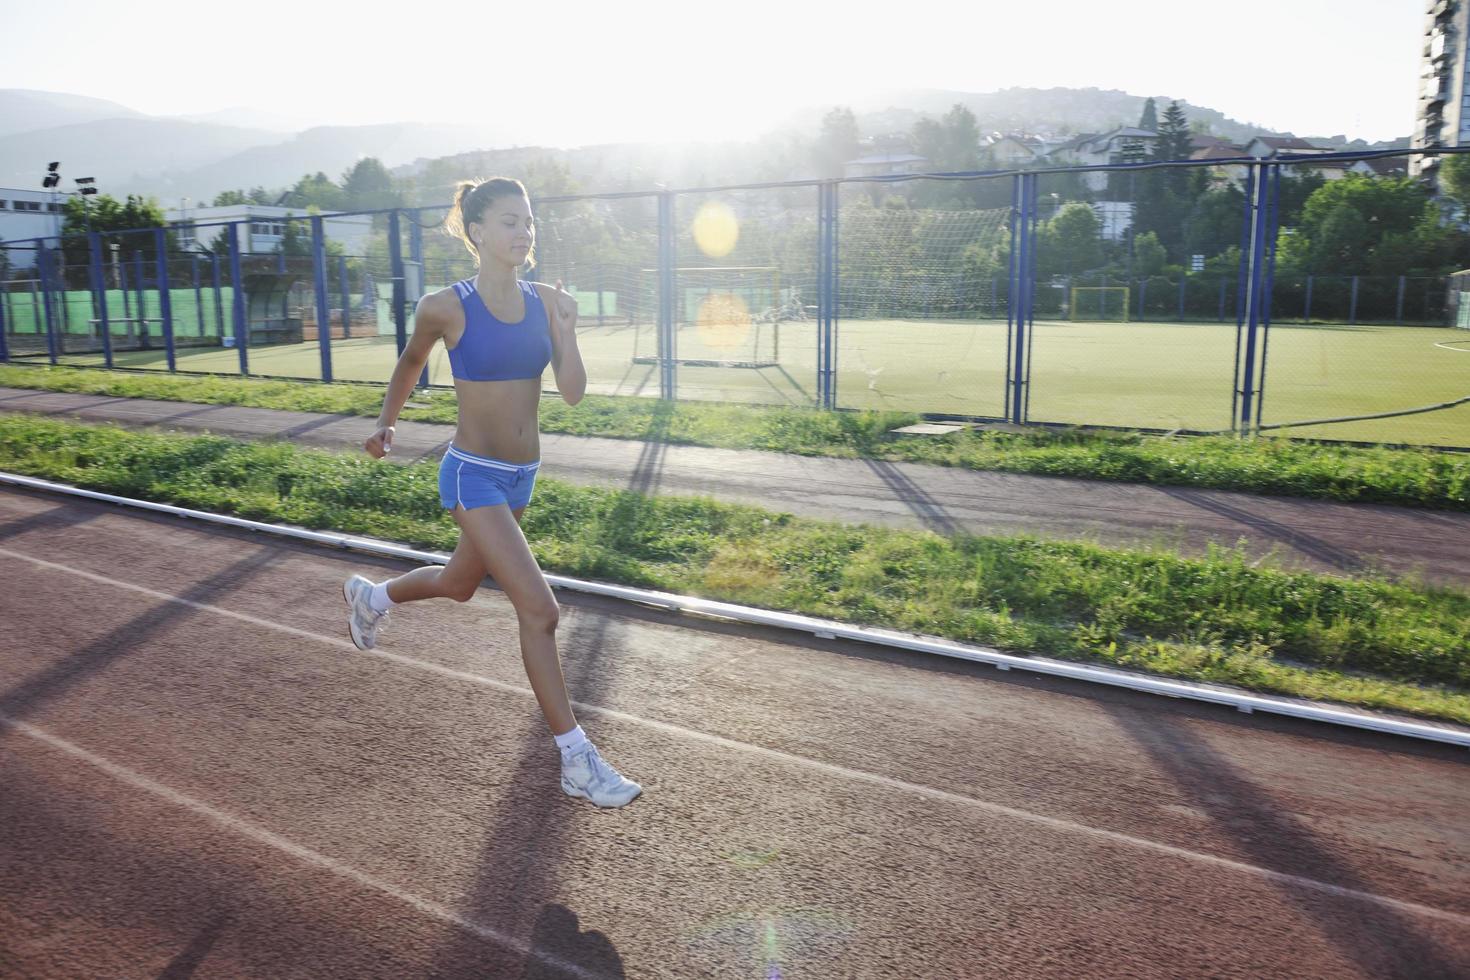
[(1409, 477), (1141, 375), (1366, 642)]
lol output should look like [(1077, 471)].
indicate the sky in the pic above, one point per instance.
[(577, 72)]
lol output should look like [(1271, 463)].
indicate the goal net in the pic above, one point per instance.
[(1098, 303), (725, 316), (1458, 300)]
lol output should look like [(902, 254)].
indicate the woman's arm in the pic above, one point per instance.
[(429, 322), (566, 358)]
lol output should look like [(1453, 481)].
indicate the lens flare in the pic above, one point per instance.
[(716, 229), (723, 321)]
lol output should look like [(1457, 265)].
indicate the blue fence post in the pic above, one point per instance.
[(319, 284), (834, 293), (416, 253), (1398, 314), (99, 287), (1307, 312), (666, 332), (219, 308), (43, 263), (6, 315), (1023, 269), (1013, 260), (120, 270), (1182, 281), (823, 301), (395, 276), (198, 294), (1142, 292), (827, 299), (1033, 210), (237, 299), (1268, 287), (1353, 303), (140, 303), (346, 297), (1244, 313), (165, 301)]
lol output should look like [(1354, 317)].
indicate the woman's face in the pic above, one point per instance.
[(506, 231)]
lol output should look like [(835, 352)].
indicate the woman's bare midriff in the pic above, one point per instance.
[(499, 419)]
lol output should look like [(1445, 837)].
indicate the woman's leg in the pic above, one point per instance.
[(457, 579), (495, 534)]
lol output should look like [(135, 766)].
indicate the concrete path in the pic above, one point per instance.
[(1290, 532)]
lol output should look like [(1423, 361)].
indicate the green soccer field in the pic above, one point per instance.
[(1153, 375)]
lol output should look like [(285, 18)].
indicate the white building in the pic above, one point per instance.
[(1441, 118), (1270, 147), (1115, 219), (1012, 150), (881, 164), (27, 214), (196, 228), (1126, 144)]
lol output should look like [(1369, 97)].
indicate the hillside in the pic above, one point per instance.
[(201, 155)]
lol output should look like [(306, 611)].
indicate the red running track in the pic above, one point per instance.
[(201, 777)]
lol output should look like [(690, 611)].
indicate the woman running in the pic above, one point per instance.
[(500, 332)]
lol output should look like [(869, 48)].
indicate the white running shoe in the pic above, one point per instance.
[(362, 621), (587, 775)]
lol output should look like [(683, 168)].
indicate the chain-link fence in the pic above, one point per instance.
[(1234, 295)]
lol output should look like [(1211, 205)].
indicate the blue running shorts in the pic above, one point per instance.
[(471, 481)]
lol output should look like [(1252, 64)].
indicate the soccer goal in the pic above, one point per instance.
[(1098, 303), (1458, 300), (724, 316)]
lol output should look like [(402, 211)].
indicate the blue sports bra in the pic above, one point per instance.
[(492, 350)]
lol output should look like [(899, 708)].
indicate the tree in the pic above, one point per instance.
[(295, 239), (220, 244), (1175, 141), (1149, 257), (1293, 193), (1150, 118), (1215, 222), (1070, 243), (1166, 195), (838, 141), (1341, 241), (111, 217), (1454, 180), (226, 199), (317, 190), (367, 186)]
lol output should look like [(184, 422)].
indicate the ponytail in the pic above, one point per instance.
[(471, 199)]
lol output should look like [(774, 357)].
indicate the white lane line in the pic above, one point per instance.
[(300, 852), (997, 809)]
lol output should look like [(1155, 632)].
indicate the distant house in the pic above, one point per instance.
[(1201, 141), (1010, 150), (195, 228), (1384, 166), (1222, 175), (883, 164), (1126, 144), (1266, 147)]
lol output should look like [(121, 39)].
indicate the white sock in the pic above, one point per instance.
[(379, 599), (571, 741)]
